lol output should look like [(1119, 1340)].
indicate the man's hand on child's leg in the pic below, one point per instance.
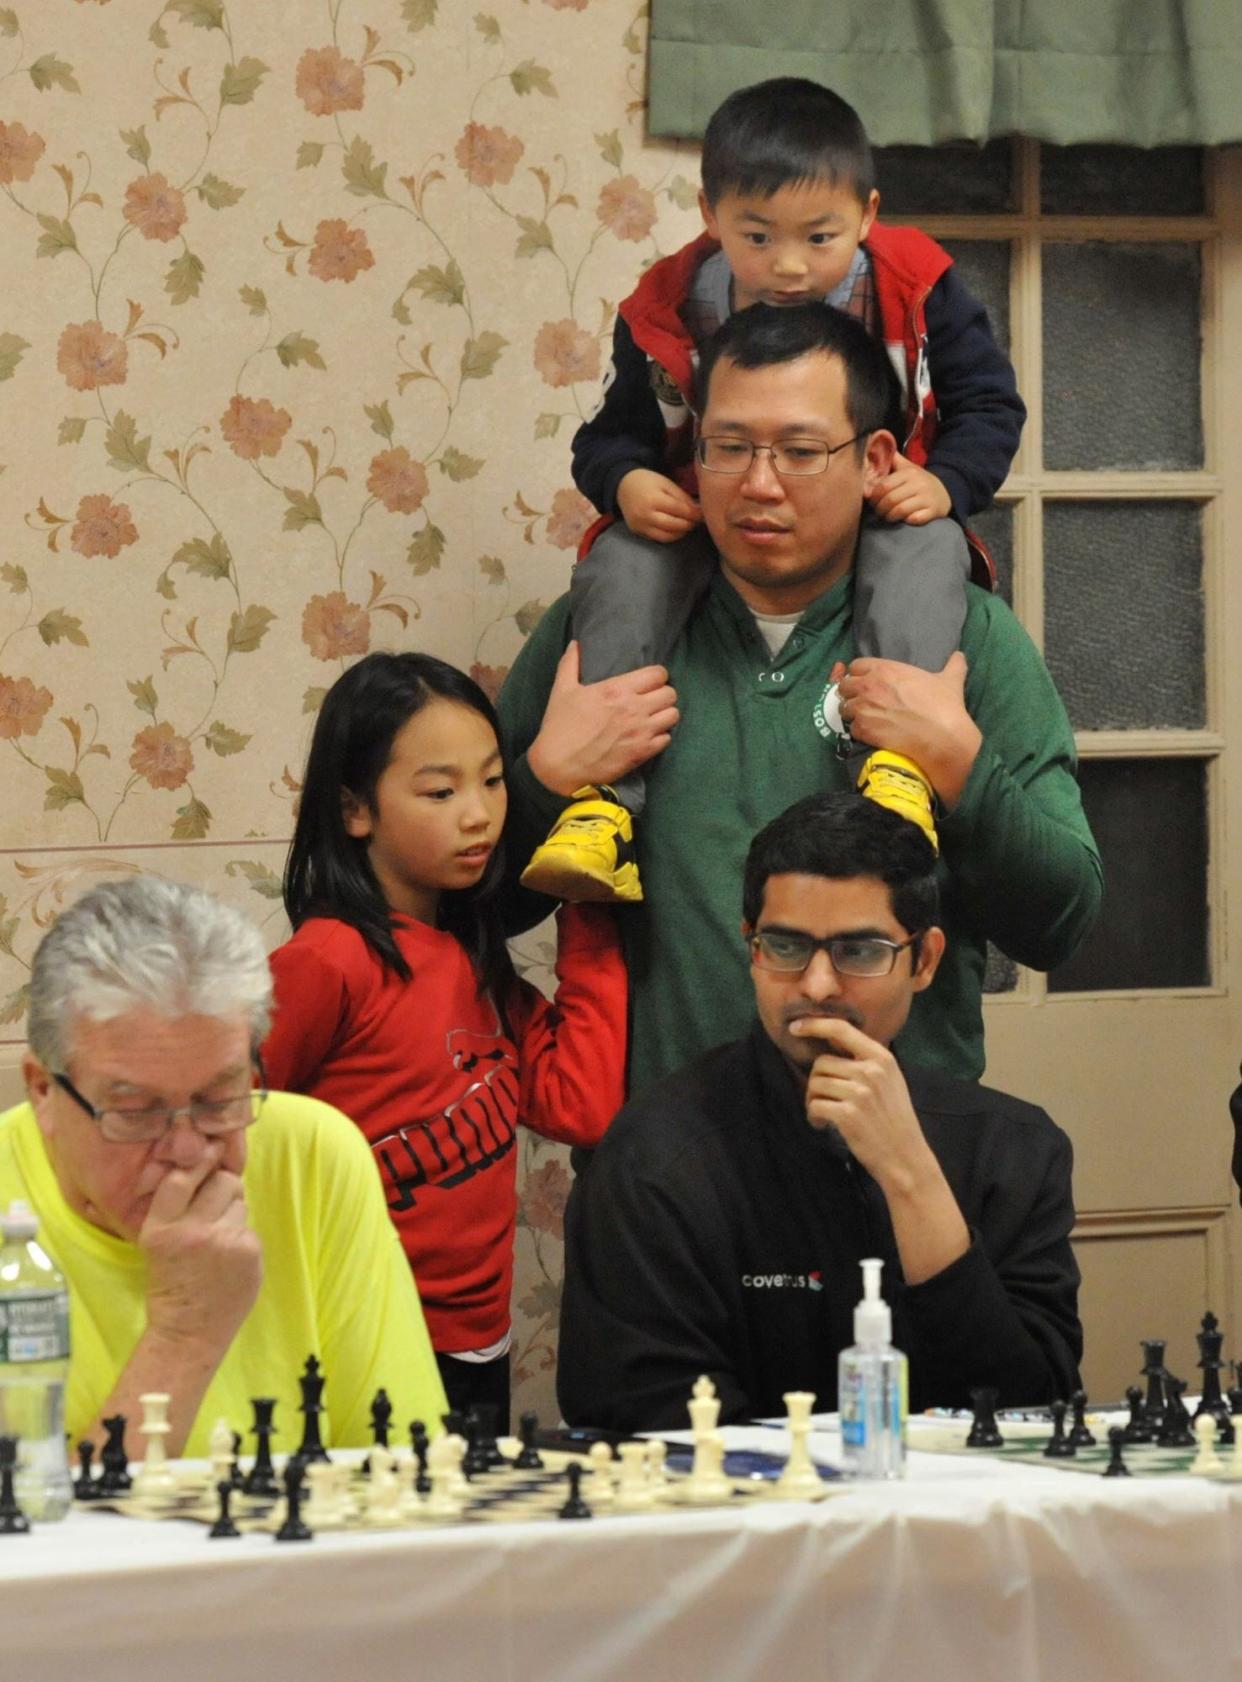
[(910, 494), (655, 507)]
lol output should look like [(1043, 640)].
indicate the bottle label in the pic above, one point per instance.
[(34, 1327), (853, 1409)]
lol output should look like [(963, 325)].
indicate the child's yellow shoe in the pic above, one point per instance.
[(589, 854), (894, 781)]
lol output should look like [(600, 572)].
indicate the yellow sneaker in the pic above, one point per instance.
[(589, 854), (896, 782)]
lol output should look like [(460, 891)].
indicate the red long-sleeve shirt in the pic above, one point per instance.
[(426, 1071)]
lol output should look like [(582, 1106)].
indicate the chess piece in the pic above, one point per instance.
[(236, 1474), (310, 1407), (1209, 1337), (114, 1478), (220, 1444), (529, 1458), (1137, 1429), (1206, 1463), (154, 1481), (1080, 1433), (476, 1461), (984, 1431), (707, 1484), (1175, 1430), (1116, 1467), (486, 1446), (1059, 1446), (575, 1506), (384, 1490), (85, 1485), (799, 1481), (261, 1478), (657, 1471), (601, 1487), (224, 1527), (13, 1521), (633, 1487), (294, 1528), (418, 1442), (381, 1414), (1235, 1389), (1153, 1372), (322, 1508), (446, 1500)]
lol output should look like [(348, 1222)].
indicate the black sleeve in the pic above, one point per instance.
[(1235, 1110), (981, 414), (627, 430), (642, 1314), (1005, 1313)]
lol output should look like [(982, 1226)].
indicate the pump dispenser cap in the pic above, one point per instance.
[(19, 1222), (873, 1320)]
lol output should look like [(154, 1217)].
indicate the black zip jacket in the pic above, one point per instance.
[(715, 1231)]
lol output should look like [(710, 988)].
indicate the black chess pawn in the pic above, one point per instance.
[(1153, 1372), (475, 1460), (310, 1407), (1175, 1431), (1234, 1392), (1080, 1432), (1226, 1432), (1137, 1429), (224, 1528), (575, 1506), (419, 1443), (1116, 1467), (487, 1417), (261, 1478), (294, 1528), (85, 1485), (984, 1431), (13, 1521), (1059, 1445), (1210, 1337), (114, 1478), (529, 1458)]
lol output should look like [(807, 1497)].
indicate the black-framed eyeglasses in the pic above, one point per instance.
[(213, 1117), (792, 457), (860, 955)]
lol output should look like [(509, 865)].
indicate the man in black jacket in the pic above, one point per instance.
[(719, 1227)]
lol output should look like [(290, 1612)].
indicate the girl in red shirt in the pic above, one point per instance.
[(397, 1001)]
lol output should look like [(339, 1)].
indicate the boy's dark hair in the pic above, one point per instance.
[(764, 335), (328, 873), (785, 133), (845, 836)]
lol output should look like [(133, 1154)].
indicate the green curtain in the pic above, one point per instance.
[(1125, 72)]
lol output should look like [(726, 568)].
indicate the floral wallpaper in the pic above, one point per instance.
[(302, 303)]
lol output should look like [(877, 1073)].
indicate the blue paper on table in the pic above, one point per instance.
[(746, 1463)]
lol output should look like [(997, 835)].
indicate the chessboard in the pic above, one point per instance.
[(503, 1494), (1025, 1442)]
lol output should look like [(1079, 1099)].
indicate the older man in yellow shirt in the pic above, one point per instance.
[(212, 1236)]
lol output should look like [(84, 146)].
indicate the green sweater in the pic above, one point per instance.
[(1018, 863)]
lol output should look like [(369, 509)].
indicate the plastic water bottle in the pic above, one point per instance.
[(34, 1365)]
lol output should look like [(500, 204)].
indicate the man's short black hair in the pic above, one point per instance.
[(785, 133), (845, 836), (764, 335)]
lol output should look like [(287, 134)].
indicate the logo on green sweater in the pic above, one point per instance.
[(827, 714)]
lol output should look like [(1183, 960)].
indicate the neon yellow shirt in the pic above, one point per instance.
[(336, 1284)]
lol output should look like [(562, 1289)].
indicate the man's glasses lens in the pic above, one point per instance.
[(210, 1116), (792, 457), (781, 950)]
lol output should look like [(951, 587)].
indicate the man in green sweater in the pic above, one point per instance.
[(741, 720)]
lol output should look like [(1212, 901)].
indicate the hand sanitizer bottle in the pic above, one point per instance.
[(871, 1389)]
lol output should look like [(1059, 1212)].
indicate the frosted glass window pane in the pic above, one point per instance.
[(1121, 356), (995, 527), (983, 265), (1149, 817), (1123, 613), (944, 180), (1121, 181), (1000, 974)]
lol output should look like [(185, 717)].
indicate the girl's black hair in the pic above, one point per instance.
[(328, 873)]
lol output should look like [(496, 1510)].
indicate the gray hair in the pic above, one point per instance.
[(147, 942)]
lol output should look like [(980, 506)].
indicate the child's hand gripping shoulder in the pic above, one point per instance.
[(909, 494), (653, 506)]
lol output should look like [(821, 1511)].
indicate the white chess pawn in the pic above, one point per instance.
[(383, 1490), (657, 1472), (443, 1468), (457, 1453), (600, 1491), (634, 1493), (1206, 1463), (220, 1444), (321, 1509)]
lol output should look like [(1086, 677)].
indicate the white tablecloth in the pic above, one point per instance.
[(966, 1570)]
